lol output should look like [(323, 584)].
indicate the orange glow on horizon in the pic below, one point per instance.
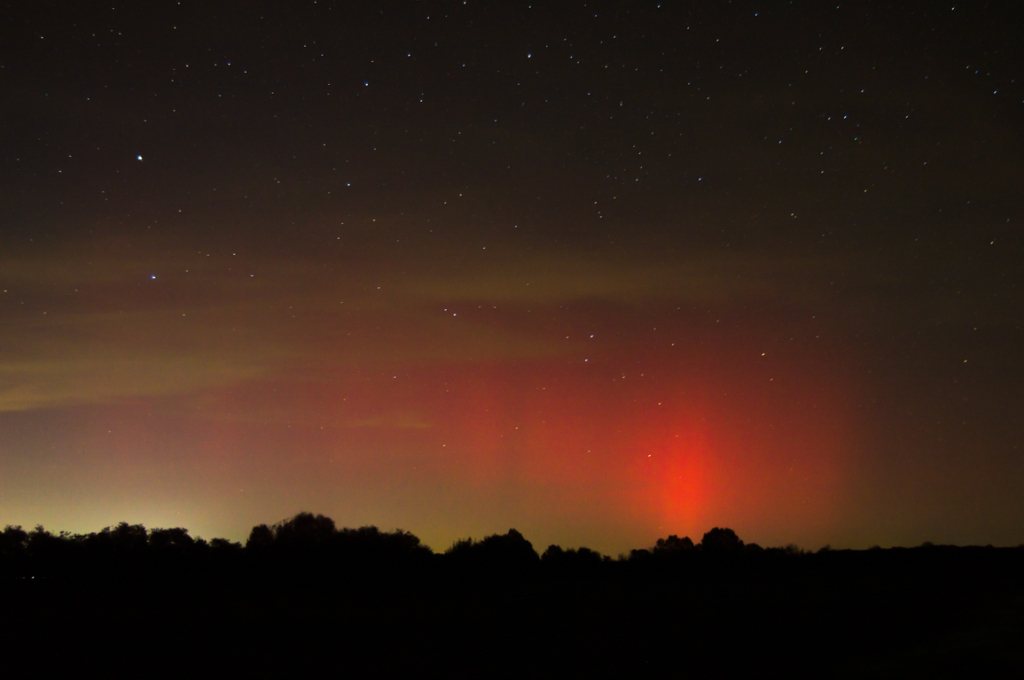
[(612, 448)]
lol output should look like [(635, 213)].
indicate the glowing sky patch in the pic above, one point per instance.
[(707, 272)]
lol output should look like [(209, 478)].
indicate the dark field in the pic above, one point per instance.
[(323, 601)]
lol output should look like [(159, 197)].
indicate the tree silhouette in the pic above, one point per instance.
[(672, 544), (260, 538), (171, 539), (575, 562), (305, 530), (505, 552), (13, 551), (721, 541), (13, 541)]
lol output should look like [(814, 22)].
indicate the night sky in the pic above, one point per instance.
[(602, 272)]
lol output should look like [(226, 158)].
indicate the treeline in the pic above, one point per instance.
[(303, 595), (313, 546)]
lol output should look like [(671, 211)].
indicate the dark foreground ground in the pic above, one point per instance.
[(934, 611)]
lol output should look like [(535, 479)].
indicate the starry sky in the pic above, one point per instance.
[(599, 271)]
